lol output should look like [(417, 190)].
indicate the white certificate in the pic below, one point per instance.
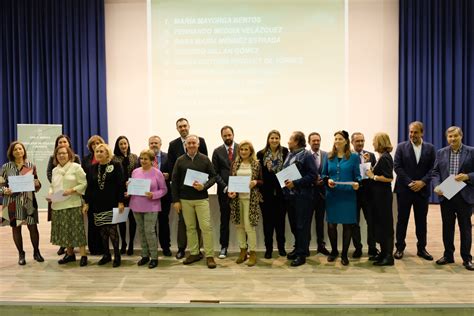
[(239, 184), (120, 218), (450, 187), (344, 182), (58, 196), (289, 173), (195, 176), (363, 169), (24, 183), (138, 186)]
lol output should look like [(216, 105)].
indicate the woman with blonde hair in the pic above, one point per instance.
[(245, 207), (105, 191), (380, 188)]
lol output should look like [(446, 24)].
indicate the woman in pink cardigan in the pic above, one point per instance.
[(145, 208)]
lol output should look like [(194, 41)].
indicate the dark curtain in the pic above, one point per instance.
[(436, 84), (436, 68), (53, 68)]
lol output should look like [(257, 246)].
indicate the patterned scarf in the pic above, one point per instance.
[(277, 163)]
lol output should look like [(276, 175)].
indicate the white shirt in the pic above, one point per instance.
[(417, 150)]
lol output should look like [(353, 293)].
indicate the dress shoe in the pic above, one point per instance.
[(322, 250), (268, 254), (123, 250), (143, 261), (153, 263), (344, 260), (83, 261), (191, 258), (180, 254), (377, 257), (292, 255), (117, 261), (130, 250), (281, 252), (201, 255), (211, 264), (37, 256), (398, 254), (443, 260), (332, 256), (386, 261), (223, 253), (105, 259), (61, 251), (21, 258), (468, 265), (373, 252), (357, 253), (299, 260), (167, 252), (67, 258), (424, 254)]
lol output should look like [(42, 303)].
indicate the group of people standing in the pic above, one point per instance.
[(334, 186)]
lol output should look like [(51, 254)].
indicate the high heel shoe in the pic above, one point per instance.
[(105, 259), (123, 250), (37, 256), (61, 251), (332, 256), (130, 250), (117, 261), (83, 261), (67, 258), (21, 259)]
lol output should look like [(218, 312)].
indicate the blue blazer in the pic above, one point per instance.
[(408, 170), (466, 165)]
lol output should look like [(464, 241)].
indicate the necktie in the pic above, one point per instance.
[(230, 155), (316, 159), (155, 162)]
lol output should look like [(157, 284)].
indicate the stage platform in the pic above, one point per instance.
[(272, 287)]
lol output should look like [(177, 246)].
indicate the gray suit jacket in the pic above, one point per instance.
[(466, 165)]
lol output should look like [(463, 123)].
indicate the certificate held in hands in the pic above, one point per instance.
[(195, 176), (239, 184), (24, 183), (138, 186), (289, 173)]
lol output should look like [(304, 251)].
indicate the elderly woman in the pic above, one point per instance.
[(93, 236), (245, 207), (129, 162), (271, 160), (381, 199), (67, 228), (61, 141), (146, 208), (20, 208), (105, 191), (341, 174)]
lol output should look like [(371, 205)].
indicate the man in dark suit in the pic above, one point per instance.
[(161, 162), (456, 159), (319, 205), (175, 150), (222, 159), (413, 164), (358, 142)]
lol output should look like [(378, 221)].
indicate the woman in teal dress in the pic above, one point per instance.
[(341, 166)]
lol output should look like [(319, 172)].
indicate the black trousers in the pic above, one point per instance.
[(225, 219), (383, 218), (450, 209), (420, 209), (164, 223), (319, 208), (300, 213), (274, 220), (364, 204)]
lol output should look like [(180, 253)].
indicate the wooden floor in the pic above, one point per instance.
[(411, 281)]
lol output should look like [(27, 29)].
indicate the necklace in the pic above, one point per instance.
[(101, 178)]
